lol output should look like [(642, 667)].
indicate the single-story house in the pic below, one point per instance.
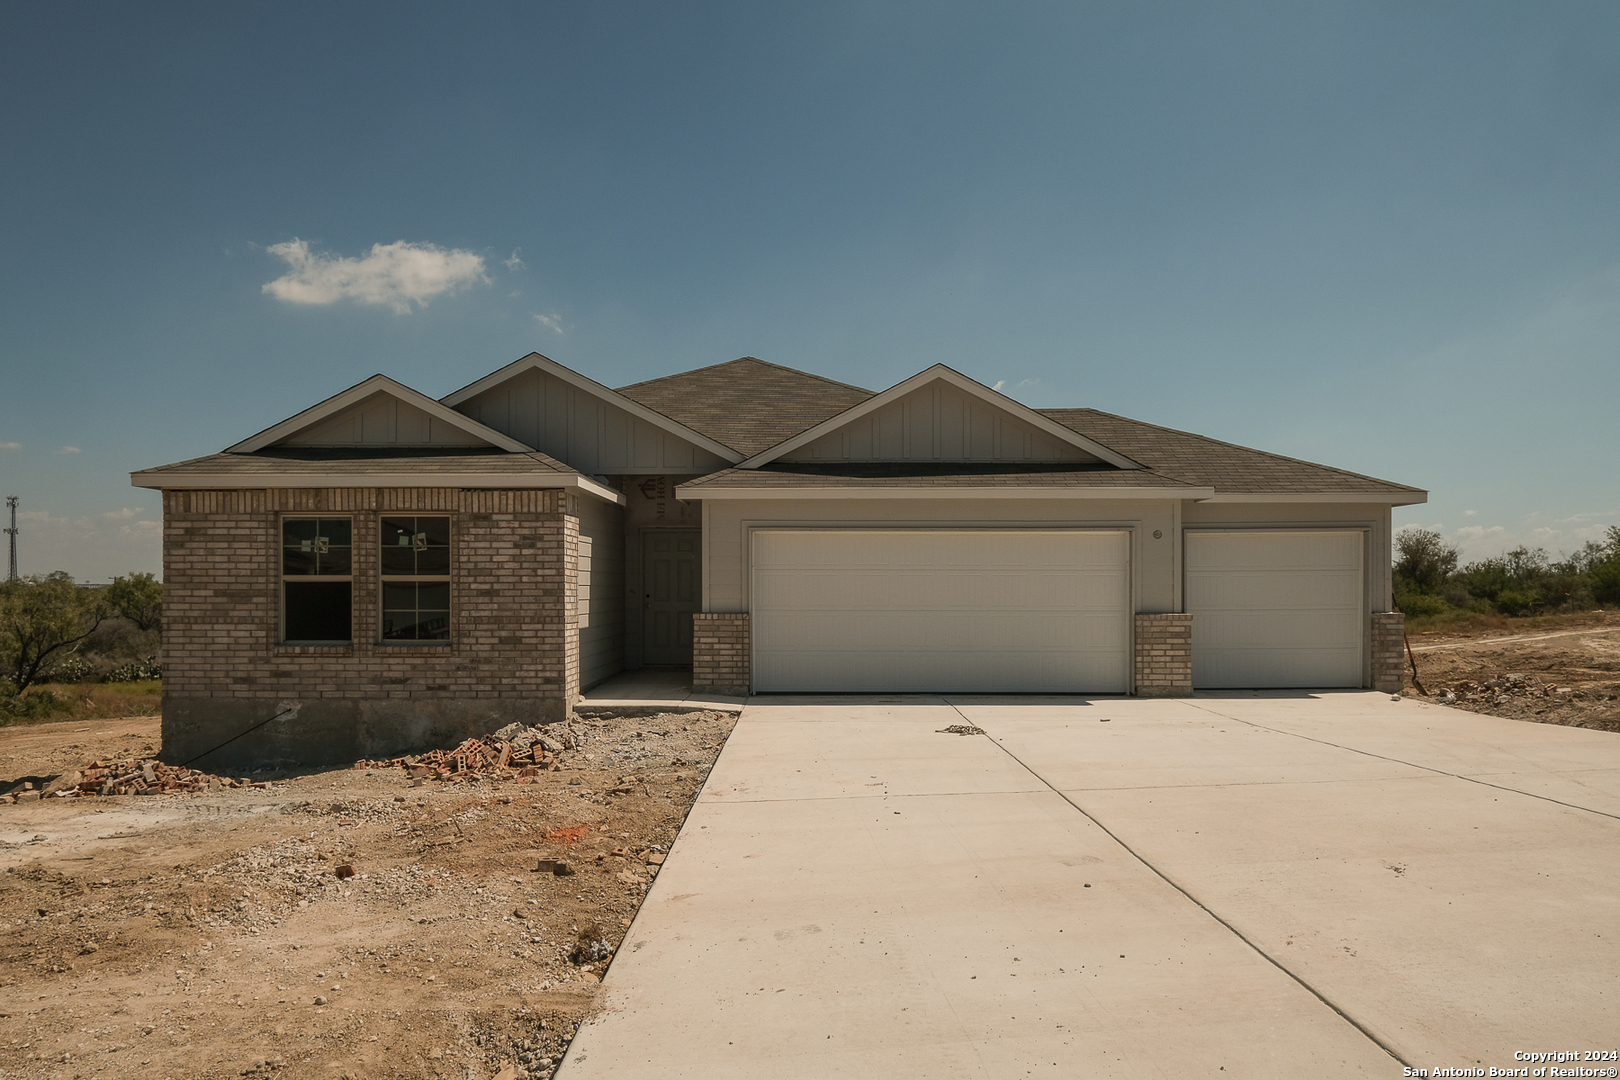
[(383, 570)]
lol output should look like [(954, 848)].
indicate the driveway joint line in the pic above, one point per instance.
[(1233, 930), (1415, 765)]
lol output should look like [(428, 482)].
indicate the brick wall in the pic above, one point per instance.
[(721, 662), (1164, 656), (1388, 651), (513, 653)]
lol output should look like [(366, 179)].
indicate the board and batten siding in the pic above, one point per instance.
[(383, 420), (939, 422), (582, 430), (600, 591)]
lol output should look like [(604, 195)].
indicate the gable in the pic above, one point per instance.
[(940, 422), (747, 404), (383, 420), (578, 425)]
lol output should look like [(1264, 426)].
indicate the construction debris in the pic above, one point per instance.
[(515, 752), (1499, 691), (961, 729), (134, 776)]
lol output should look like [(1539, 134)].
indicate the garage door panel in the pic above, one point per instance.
[(941, 611), (1326, 589), (1276, 608)]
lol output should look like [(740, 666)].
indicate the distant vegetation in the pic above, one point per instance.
[(1524, 581), (53, 630)]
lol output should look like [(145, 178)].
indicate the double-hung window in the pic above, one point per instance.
[(415, 564), (317, 586)]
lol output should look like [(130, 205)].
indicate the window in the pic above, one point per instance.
[(317, 589), (415, 559)]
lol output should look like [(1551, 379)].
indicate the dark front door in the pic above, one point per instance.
[(670, 594)]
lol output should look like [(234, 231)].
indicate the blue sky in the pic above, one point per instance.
[(1383, 236)]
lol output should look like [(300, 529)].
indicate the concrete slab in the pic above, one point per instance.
[(654, 687), (1231, 885)]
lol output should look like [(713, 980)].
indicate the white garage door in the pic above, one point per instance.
[(1276, 609), (941, 611)]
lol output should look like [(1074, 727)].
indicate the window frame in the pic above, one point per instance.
[(285, 578), (384, 579)]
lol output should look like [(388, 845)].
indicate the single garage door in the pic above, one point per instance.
[(1276, 609), (941, 611)]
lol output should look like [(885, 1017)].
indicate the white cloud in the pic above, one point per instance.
[(95, 547), (514, 263), (552, 321), (10, 446), (70, 450), (1470, 513), (396, 275)]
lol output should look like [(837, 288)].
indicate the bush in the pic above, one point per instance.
[(18, 708), (135, 671), (1418, 604), (1515, 602)]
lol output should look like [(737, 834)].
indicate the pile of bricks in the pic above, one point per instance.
[(514, 752), (1499, 690), (133, 776)]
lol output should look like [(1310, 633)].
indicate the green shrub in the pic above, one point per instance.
[(1515, 602), (1419, 605), (18, 708)]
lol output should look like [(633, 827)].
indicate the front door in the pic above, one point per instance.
[(670, 594)]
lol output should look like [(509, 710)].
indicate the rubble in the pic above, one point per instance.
[(1499, 690), (515, 752), (132, 776)]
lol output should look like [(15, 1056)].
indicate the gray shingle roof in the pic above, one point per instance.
[(747, 404), (944, 476), (1207, 462), (282, 461)]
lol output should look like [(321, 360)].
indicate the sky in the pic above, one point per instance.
[(1381, 236)]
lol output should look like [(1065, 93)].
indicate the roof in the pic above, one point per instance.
[(886, 479), (371, 467), (746, 404), (1227, 467)]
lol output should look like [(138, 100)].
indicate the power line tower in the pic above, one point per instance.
[(11, 534)]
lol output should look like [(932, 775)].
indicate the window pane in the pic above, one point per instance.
[(336, 560), (396, 560), (416, 611), (433, 561), (316, 546), (318, 611), (337, 530), (296, 530), (415, 545), (296, 562), (397, 532)]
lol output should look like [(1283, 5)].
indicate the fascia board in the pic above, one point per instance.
[(689, 493), (937, 373), (591, 386), (1392, 498), (238, 482), (359, 392)]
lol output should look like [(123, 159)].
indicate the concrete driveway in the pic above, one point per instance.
[(1237, 885)]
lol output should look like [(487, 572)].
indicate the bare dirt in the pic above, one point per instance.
[(210, 934), (1566, 676)]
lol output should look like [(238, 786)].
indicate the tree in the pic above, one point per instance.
[(1605, 572), (41, 620), (1423, 561), (138, 598)]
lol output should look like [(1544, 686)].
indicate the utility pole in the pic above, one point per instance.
[(11, 534)]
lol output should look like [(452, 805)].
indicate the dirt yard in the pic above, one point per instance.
[(1560, 676), (210, 934)]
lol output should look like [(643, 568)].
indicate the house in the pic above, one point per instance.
[(384, 571)]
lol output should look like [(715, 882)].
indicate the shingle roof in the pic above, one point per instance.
[(282, 461), (886, 474), (747, 404), (1226, 467)]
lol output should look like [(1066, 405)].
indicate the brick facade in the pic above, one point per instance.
[(1164, 656), (721, 660), (513, 652), (1388, 651)]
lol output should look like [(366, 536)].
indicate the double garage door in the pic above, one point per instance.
[(1045, 611), (1023, 611)]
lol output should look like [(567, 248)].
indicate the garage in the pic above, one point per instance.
[(934, 610), (1276, 608)]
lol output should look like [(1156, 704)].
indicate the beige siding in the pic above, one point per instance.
[(939, 422), (600, 591), (728, 524), (383, 420), (580, 429)]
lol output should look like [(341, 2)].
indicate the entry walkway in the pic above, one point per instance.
[(1235, 885)]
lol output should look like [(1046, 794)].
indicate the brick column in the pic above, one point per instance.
[(721, 663), (1388, 651), (1164, 656)]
